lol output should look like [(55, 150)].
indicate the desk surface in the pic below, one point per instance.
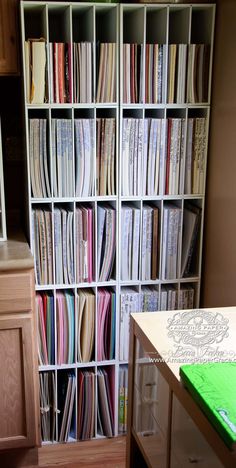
[(173, 338), (15, 253), (181, 337)]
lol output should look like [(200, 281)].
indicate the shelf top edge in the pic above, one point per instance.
[(104, 4), (68, 4), (173, 4)]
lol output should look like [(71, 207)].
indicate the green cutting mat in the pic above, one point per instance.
[(213, 387)]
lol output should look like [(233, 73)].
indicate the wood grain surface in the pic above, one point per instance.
[(11, 384), (103, 453)]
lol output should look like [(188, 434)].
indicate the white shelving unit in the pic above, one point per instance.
[(128, 23), (167, 24)]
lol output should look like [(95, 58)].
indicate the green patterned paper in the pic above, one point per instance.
[(213, 387)]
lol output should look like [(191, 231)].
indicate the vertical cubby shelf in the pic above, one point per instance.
[(64, 133), (166, 108), (116, 143)]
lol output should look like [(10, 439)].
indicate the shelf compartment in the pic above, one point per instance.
[(86, 404), (188, 295), (191, 238), (155, 57), (85, 242), (66, 392), (106, 152), (106, 222), (35, 21), (171, 239), (179, 25), (196, 151), (106, 324), (40, 169), (106, 33), (45, 312), (48, 405), (65, 327), (85, 325), (62, 153), (105, 401)]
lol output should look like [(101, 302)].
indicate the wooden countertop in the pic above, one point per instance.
[(171, 335), (15, 253)]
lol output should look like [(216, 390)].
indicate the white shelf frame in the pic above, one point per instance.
[(51, 108)]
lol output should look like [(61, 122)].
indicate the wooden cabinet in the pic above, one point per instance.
[(18, 359), (17, 383), (9, 60)]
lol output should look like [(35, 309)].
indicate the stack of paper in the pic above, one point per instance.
[(123, 399), (106, 389), (130, 238), (106, 77), (177, 73), (154, 73), (129, 303), (105, 156), (42, 245), (143, 156), (106, 238), (168, 297), (64, 246), (172, 51), (133, 301), (150, 243), (154, 156), (84, 157), (47, 393), (65, 321), (191, 227), (85, 243), (86, 324), (60, 72), (170, 241), (83, 72), (132, 73), (186, 296), (180, 89), (106, 320), (198, 73), (86, 405), (195, 155), (35, 70), (149, 299), (62, 158), (175, 155), (38, 158), (132, 156), (46, 332), (66, 405)]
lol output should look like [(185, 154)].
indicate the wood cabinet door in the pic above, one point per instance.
[(8, 37), (17, 389)]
